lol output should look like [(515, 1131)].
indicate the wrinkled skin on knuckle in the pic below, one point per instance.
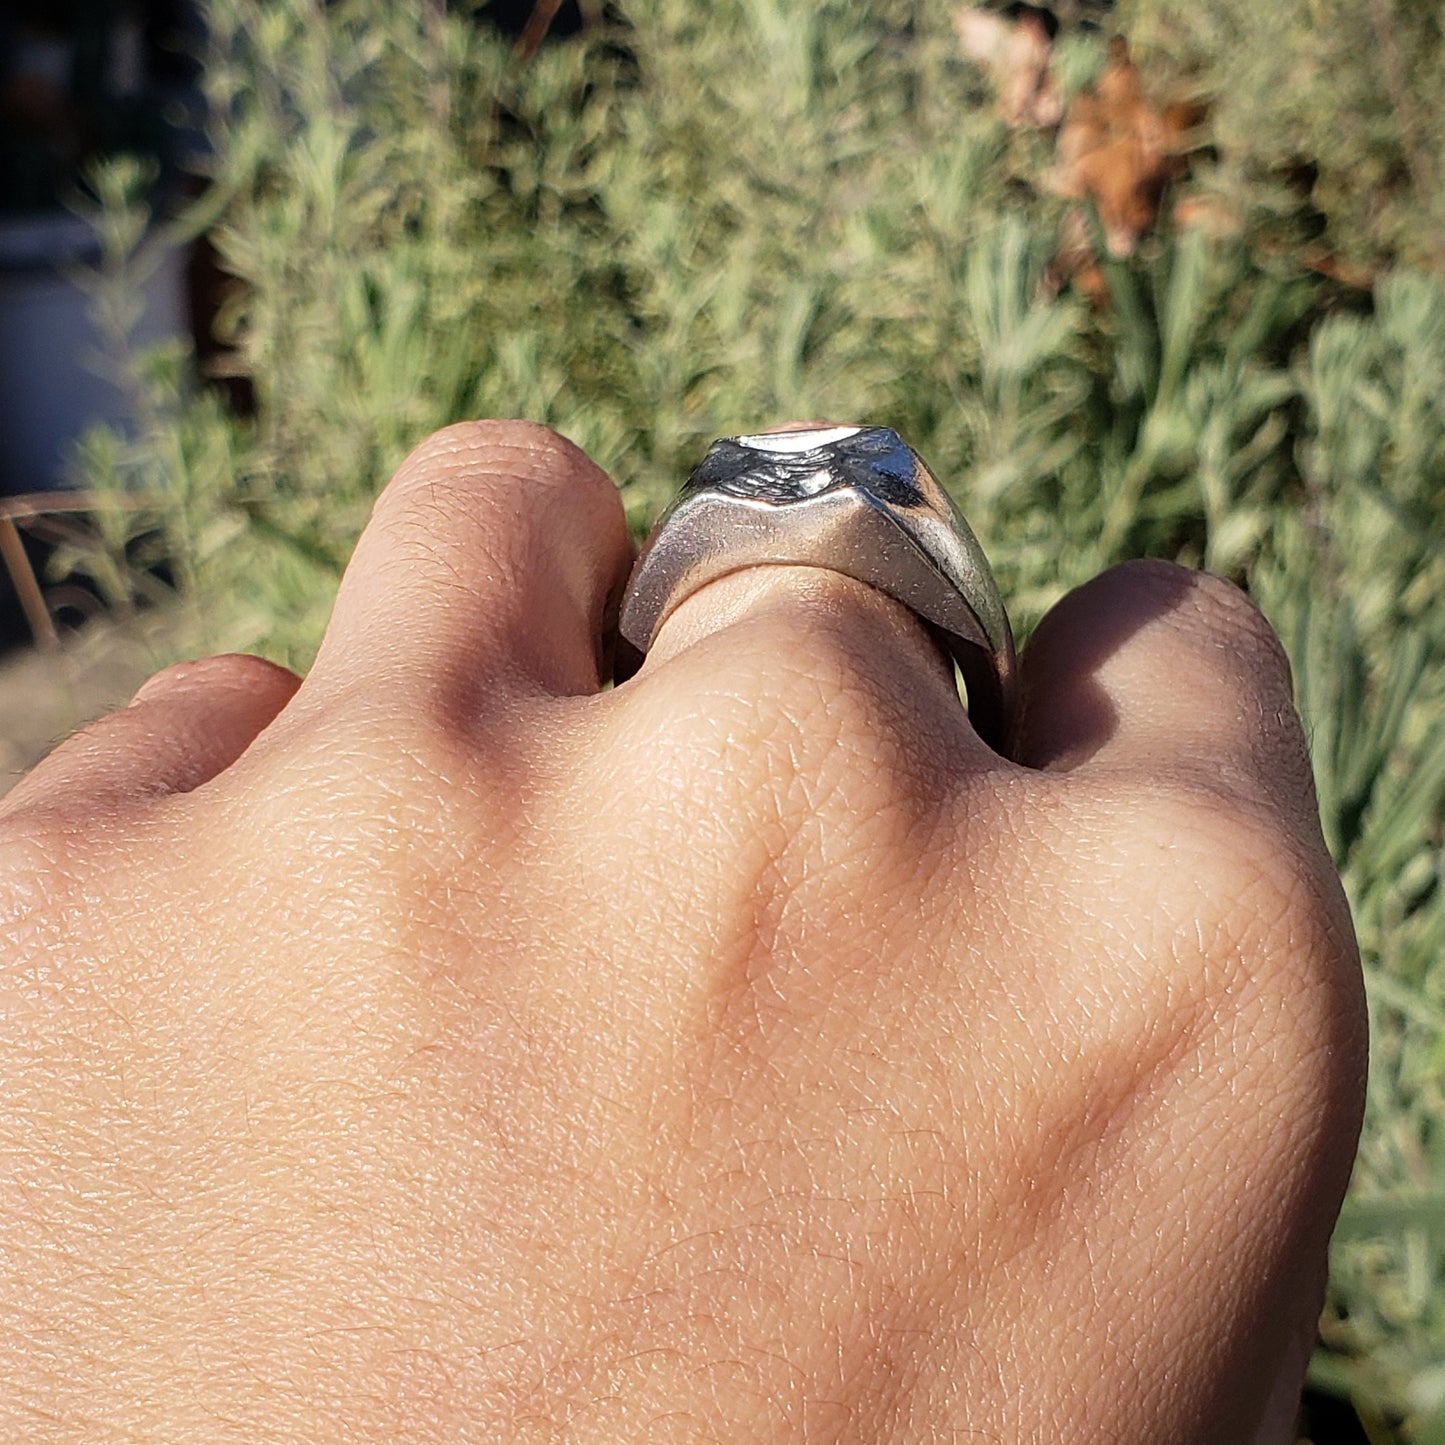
[(1233, 917), (763, 825)]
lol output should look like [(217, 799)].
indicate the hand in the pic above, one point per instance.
[(444, 1049)]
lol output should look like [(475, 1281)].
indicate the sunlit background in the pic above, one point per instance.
[(1155, 278)]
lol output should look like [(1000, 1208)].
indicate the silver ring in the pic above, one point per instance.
[(852, 499)]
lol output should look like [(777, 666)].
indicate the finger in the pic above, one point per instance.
[(795, 620), (1156, 669), (796, 638), (488, 566), (825, 605), (184, 727)]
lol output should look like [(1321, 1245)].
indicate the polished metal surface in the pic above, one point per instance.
[(852, 499)]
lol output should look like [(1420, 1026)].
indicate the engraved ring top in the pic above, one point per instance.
[(852, 499)]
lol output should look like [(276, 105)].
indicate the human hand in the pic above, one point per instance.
[(445, 1049)]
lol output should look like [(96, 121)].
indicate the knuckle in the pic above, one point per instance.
[(230, 671), (39, 794), (489, 472), (460, 439), (1250, 902), (522, 450), (1275, 963), (1222, 622), (1203, 608), (800, 712), (177, 674), (1217, 944), (1224, 619)]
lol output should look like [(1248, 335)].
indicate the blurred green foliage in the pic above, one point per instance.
[(1329, 114), (731, 214)]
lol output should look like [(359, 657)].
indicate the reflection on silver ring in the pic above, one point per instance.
[(852, 499)]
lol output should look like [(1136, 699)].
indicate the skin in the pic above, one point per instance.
[(444, 1049)]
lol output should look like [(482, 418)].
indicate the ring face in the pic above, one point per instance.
[(769, 468), (853, 499)]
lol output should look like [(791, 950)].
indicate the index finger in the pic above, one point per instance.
[(485, 570)]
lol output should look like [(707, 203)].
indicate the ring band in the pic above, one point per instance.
[(853, 499)]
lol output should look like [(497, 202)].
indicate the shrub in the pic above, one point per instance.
[(1329, 115)]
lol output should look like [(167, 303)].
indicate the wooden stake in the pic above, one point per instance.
[(539, 22), (22, 574)]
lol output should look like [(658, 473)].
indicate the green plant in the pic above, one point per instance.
[(1327, 113)]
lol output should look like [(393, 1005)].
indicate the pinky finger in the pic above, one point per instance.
[(185, 726)]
